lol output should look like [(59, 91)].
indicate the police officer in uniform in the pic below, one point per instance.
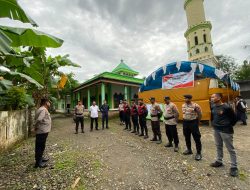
[(134, 116), (79, 110), (127, 113), (191, 118), (143, 112), (105, 117), (155, 113), (171, 115)]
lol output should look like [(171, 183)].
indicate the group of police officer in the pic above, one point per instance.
[(191, 117), (136, 113)]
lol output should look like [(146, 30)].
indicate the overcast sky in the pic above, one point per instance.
[(146, 34)]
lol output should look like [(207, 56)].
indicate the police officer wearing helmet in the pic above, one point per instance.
[(191, 118), (155, 113), (171, 115)]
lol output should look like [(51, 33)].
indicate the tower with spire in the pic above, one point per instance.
[(198, 34)]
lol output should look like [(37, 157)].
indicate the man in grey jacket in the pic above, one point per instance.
[(42, 129)]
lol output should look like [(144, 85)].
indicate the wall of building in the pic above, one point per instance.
[(15, 126), (245, 90), (116, 89)]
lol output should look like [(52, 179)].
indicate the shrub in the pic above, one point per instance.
[(16, 98)]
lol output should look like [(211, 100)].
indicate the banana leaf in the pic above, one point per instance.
[(28, 78), (30, 37), (12, 10), (5, 84), (5, 42)]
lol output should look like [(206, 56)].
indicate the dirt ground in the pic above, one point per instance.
[(116, 159)]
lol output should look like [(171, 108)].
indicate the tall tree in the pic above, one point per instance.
[(227, 64), (244, 71)]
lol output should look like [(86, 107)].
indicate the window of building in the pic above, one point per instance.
[(196, 40), (205, 38), (197, 51), (206, 49)]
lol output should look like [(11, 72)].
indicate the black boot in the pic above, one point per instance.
[(154, 139), (198, 157), (169, 145), (45, 159), (187, 152), (176, 148), (40, 164), (159, 141)]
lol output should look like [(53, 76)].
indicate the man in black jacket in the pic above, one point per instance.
[(223, 120), (105, 110), (241, 110)]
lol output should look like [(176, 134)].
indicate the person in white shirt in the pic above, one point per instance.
[(94, 115)]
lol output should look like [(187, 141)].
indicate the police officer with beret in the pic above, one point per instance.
[(127, 112), (134, 117), (155, 113), (191, 118), (171, 115), (143, 112)]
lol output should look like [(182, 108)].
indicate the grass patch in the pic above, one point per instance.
[(242, 175), (64, 164), (189, 168), (97, 165)]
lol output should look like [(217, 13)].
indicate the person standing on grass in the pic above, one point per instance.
[(155, 113), (171, 115), (93, 115), (223, 119), (42, 129), (121, 112), (143, 112), (79, 110), (105, 111), (134, 116), (191, 118)]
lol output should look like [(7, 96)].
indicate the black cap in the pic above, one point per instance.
[(152, 98), (166, 98), (188, 96)]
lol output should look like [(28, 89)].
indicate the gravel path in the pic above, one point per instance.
[(117, 159)]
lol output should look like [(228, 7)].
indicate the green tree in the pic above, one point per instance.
[(244, 71), (227, 64), (18, 67)]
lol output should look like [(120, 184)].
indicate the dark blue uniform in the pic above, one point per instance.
[(104, 109)]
